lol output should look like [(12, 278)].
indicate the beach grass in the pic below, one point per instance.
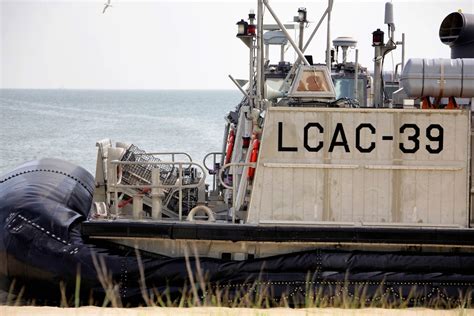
[(198, 292)]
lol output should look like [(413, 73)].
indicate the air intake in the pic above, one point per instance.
[(457, 31)]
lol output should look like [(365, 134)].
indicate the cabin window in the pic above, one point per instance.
[(314, 81), (344, 88)]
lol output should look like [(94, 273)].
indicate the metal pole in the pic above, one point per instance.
[(234, 192), (328, 43), (285, 31), (214, 177), (300, 44), (137, 206), (315, 30), (356, 76), (156, 194), (239, 87), (180, 170), (403, 51), (116, 202), (242, 190), (259, 53), (113, 176), (251, 73), (292, 70), (378, 96)]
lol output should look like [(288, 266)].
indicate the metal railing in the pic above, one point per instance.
[(156, 186), (173, 154), (216, 166), (234, 188)]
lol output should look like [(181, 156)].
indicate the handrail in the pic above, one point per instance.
[(214, 153), (233, 164), (179, 185), (234, 182), (167, 153), (213, 170), (162, 186)]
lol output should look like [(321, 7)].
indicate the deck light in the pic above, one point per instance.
[(251, 16), (377, 38), (242, 28), (251, 26), (302, 15), (251, 29)]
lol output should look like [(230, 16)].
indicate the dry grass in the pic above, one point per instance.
[(251, 297), (223, 311)]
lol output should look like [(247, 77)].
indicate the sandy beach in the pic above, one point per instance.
[(92, 311)]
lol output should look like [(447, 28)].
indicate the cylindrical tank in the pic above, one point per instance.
[(439, 77), (457, 31)]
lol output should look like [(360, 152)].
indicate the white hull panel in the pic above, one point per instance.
[(385, 166)]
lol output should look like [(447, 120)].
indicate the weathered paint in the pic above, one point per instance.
[(385, 186)]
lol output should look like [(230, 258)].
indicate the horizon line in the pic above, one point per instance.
[(126, 89)]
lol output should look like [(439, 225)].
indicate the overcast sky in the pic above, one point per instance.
[(181, 44)]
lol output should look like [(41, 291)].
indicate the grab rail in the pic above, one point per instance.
[(216, 166), (214, 161), (233, 164), (167, 153), (234, 183)]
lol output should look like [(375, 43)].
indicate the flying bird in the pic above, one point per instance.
[(106, 5)]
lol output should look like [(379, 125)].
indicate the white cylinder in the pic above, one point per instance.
[(389, 13), (137, 206), (439, 77), (157, 205)]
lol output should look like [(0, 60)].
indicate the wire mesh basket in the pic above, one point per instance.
[(140, 173)]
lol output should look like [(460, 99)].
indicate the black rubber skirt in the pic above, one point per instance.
[(44, 202)]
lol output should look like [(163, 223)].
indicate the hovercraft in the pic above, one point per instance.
[(330, 179)]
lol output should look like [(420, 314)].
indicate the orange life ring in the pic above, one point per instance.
[(253, 158), (230, 146)]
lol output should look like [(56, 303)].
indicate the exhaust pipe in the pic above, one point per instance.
[(457, 31)]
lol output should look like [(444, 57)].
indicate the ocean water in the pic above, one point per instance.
[(66, 124)]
